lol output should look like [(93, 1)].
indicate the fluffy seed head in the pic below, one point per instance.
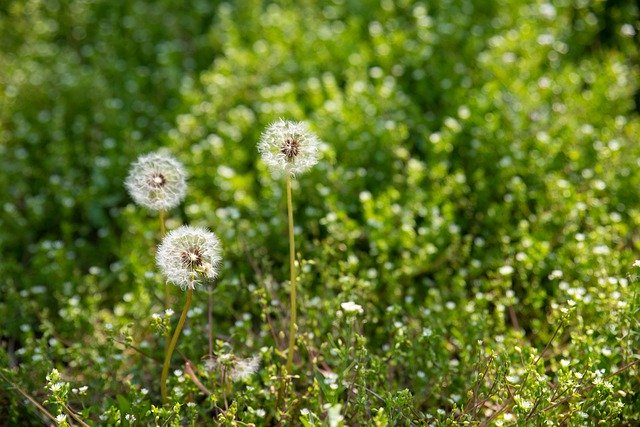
[(189, 255), (244, 368), (157, 181), (237, 368), (288, 147)]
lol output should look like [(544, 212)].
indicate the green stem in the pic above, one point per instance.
[(163, 231), (292, 261), (172, 346)]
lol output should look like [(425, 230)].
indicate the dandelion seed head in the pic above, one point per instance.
[(288, 147), (189, 255), (157, 181), (244, 368)]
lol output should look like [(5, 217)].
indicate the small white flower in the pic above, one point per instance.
[(129, 417), (601, 250), (189, 255), (505, 270), (56, 386), (636, 263), (169, 312), (60, 418), (351, 307), (627, 30), (157, 181), (288, 147)]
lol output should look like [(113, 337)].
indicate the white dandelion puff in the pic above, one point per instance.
[(244, 368), (288, 147), (189, 255), (157, 181)]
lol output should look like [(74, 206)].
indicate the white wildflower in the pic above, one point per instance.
[(627, 30), (288, 147), (189, 255), (351, 307), (601, 250), (636, 263), (505, 270), (60, 418), (157, 181)]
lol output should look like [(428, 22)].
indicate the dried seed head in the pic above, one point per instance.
[(157, 181), (189, 255), (288, 147)]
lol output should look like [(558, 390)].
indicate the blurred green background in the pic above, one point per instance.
[(461, 137)]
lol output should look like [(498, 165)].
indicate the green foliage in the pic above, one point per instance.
[(477, 196)]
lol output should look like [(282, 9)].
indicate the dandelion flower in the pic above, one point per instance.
[(189, 255), (289, 147), (157, 181)]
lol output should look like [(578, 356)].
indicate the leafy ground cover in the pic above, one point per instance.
[(465, 244)]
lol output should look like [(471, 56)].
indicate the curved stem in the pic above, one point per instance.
[(292, 261), (172, 346)]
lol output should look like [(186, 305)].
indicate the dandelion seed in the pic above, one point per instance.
[(210, 364), (157, 181), (289, 147), (189, 255)]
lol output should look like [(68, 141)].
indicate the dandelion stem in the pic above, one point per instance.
[(292, 262), (210, 322), (163, 228), (172, 345), (163, 231)]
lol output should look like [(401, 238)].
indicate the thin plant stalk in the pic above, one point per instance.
[(172, 345), (292, 261), (210, 322), (163, 231)]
